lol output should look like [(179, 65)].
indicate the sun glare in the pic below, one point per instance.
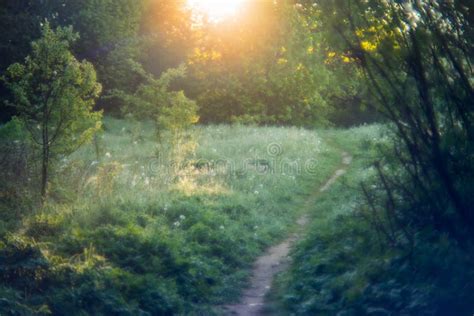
[(216, 10)]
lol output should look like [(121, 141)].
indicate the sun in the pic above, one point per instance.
[(216, 10)]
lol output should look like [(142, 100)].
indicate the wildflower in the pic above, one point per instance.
[(108, 155), (221, 227), (182, 217), (176, 224), (256, 192)]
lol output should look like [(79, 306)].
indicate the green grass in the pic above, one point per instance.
[(126, 233), (344, 266), (320, 269)]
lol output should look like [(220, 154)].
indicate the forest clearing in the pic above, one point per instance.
[(238, 157)]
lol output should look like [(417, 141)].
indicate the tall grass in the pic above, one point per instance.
[(128, 231)]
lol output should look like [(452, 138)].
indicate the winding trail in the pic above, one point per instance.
[(275, 259)]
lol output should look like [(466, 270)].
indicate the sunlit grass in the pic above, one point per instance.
[(121, 205)]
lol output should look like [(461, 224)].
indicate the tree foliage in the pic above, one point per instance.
[(171, 111), (54, 95), (418, 63), (109, 38), (264, 67)]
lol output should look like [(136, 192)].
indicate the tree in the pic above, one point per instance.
[(171, 111), (19, 26), (109, 37), (53, 94), (418, 62), (167, 34), (266, 66)]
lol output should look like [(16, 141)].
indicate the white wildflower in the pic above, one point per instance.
[(108, 155)]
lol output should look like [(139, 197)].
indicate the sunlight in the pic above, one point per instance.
[(216, 10)]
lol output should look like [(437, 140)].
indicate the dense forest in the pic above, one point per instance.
[(153, 152)]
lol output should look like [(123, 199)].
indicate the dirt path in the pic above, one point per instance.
[(275, 259)]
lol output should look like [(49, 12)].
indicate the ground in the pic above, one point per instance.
[(141, 232), (275, 260)]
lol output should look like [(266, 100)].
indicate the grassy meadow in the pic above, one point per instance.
[(249, 157), (130, 231)]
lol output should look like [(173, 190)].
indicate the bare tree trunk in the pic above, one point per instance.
[(45, 154), (44, 172)]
